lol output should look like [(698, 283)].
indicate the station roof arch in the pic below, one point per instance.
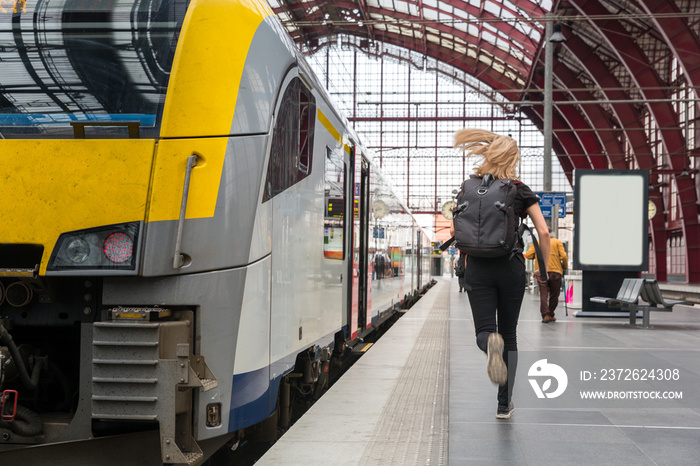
[(625, 81)]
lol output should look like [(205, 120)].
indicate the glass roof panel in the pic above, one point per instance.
[(462, 14), (445, 6), (546, 5), (488, 37), (507, 14), (462, 27), (401, 6), (492, 8)]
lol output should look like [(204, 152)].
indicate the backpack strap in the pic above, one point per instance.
[(538, 251), (447, 244), (522, 228)]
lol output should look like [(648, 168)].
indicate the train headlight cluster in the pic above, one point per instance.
[(111, 248)]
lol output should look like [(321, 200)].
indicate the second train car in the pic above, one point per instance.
[(190, 230)]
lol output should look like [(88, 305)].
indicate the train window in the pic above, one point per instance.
[(96, 64), (305, 131), (334, 218), (291, 152)]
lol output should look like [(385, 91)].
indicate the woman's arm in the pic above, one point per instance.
[(452, 228), (542, 231)]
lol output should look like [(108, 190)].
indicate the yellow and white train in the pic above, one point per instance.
[(186, 244)]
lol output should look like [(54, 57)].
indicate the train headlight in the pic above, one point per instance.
[(107, 248), (77, 250)]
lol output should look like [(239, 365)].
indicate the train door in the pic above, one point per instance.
[(359, 199), (335, 243), (418, 250), (365, 285)]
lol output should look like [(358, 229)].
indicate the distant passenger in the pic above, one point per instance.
[(460, 271), (496, 285), (379, 264), (550, 286)]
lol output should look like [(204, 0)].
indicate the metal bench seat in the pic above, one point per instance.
[(627, 296), (635, 289)]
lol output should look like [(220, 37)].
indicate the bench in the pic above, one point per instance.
[(629, 295)]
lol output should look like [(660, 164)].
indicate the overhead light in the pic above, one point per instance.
[(526, 101), (557, 35), (684, 172)]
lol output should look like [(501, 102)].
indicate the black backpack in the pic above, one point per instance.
[(485, 221)]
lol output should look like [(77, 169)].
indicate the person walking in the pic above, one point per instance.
[(496, 285), (550, 286), (460, 269)]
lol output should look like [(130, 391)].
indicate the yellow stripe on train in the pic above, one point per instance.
[(334, 132), (203, 88), (201, 100), (329, 127)]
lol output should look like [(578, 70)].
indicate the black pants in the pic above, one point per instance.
[(496, 290)]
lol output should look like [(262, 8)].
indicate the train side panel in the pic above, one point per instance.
[(307, 286)]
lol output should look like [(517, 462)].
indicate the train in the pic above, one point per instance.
[(190, 235)]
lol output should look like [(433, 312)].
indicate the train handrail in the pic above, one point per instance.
[(178, 259)]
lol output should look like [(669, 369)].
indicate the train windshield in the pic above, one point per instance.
[(86, 68)]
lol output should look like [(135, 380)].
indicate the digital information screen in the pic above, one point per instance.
[(611, 227), (335, 208)]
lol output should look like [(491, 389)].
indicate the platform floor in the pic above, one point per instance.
[(421, 396)]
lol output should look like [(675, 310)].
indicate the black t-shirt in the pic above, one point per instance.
[(524, 198)]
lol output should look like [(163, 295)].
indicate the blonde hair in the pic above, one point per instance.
[(500, 153)]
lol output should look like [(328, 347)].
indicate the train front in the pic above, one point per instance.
[(128, 230)]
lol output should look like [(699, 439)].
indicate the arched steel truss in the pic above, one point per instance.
[(625, 81)]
